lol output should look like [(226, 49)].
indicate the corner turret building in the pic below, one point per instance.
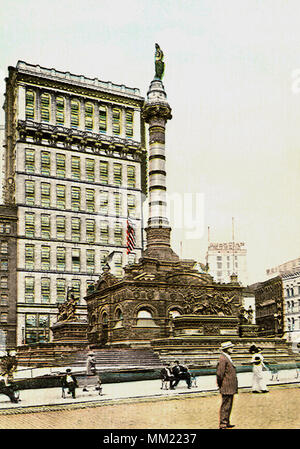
[(74, 167)]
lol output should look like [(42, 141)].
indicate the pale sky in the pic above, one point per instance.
[(235, 133)]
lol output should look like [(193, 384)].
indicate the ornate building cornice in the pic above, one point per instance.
[(83, 140)]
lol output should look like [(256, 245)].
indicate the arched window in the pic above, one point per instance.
[(174, 313), (104, 318), (45, 107), (145, 318), (119, 318)]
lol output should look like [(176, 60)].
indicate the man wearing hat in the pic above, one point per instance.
[(227, 383), (69, 381)]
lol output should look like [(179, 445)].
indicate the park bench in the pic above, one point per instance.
[(165, 382), (11, 390), (87, 384)]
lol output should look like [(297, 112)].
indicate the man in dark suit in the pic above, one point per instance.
[(166, 374), (227, 383), (181, 372), (69, 381)]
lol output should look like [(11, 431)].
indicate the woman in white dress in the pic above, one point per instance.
[(258, 381)]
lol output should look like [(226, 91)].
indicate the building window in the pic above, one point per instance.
[(60, 290), (103, 172), (145, 318), (102, 119), (60, 228), (76, 260), (29, 105), (116, 121), (29, 257), (45, 107), (119, 318), (90, 231), (90, 169), (118, 204), (131, 179), (36, 328), (90, 260), (288, 292), (75, 167), (60, 196), (5, 227), (118, 262), (129, 124), (75, 110), (4, 282), (45, 290), (45, 258), (76, 288), (75, 229), (89, 116), (3, 317), (60, 111), (45, 163), (29, 225), (90, 200), (29, 290), (29, 160), (104, 202), (29, 193), (75, 198), (117, 174), (104, 232), (4, 264), (292, 291), (45, 227), (219, 265), (60, 165), (131, 205), (61, 259), (103, 256), (4, 299), (131, 258), (4, 247), (118, 234), (45, 194)]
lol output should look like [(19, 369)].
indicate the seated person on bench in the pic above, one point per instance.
[(181, 372), (167, 375), (9, 390), (69, 381)]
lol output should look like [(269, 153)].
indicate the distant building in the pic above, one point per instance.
[(292, 266), (291, 288), (74, 168), (269, 305), (224, 259)]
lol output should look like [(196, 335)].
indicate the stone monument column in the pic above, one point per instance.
[(156, 112)]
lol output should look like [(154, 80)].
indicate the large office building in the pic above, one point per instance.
[(291, 266), (75, 168), (225, 259)]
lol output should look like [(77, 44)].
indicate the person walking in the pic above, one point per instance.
[(227, 383), (258, 380)]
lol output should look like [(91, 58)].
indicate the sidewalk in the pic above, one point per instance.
[(130, 391)]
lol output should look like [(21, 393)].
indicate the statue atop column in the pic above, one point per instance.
[(159, 63)]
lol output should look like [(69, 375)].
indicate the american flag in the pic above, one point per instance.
[(130, 236)]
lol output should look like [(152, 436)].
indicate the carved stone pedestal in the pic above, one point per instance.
[(70, 332)]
